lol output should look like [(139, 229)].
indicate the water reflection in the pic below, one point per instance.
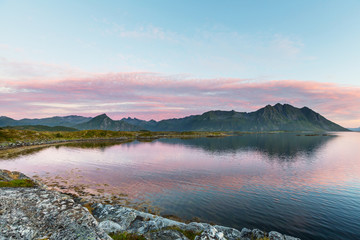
[(276, 146), (280, 146), (102, 145), (307, 186)]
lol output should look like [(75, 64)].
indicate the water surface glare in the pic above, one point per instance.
[(305, 186)]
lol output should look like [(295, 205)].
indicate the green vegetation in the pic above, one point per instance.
[(126, 236), (263, 238), (18, 183), (253, 237), (187, 233), (27, 141), (14, 135)]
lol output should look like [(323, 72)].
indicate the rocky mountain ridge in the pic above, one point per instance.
[(280, 117)]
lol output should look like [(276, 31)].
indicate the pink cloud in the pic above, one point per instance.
[(155, 96)]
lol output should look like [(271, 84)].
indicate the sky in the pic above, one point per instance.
[(164, 59)]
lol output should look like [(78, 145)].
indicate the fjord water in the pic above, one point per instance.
[(305, 186)]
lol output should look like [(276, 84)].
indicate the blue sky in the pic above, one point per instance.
[(255, 41), (305, 40)]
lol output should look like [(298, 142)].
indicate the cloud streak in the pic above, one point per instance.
[(156, 96)]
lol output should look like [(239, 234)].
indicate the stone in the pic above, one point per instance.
[(110, 226), (27, 216), (256, 233), (273, 235), (290, 238), (211, 234), (245, 233), (229, 233)]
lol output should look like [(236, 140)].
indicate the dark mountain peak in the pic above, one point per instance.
[(101, 116), (285, 108), (306, 109), (100, 119), (267, 108), (218, 112), (5, 117), (280, 106), (72, 116), (126, 119), (276, 108), (283, 105), (103, 122), (214, 114)]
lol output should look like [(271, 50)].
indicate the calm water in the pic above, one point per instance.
[(306, 186)]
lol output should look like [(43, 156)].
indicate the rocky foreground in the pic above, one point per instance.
[(38, 213)]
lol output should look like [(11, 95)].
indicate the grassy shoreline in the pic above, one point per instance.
[(13, 135), (11, 138), (14, 141)]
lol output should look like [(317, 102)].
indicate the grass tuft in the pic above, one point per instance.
[(18, 183), (126, 236), (263, 238), (187, 233)]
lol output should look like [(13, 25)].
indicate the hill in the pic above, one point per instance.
[(103, 122), (67, 121), (280, 117)]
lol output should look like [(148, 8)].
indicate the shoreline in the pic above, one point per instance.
[(39, 213), (17, 147), (17, 144)]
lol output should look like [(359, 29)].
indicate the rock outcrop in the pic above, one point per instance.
[(120, 219), (39, 213)]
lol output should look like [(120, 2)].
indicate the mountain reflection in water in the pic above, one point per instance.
[(273, 145), (305, 186)]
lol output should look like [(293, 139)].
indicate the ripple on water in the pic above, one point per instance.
[(302, 186)]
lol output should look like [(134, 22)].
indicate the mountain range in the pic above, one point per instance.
[(280, 117), (67, 121)]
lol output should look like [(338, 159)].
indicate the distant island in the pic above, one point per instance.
[(280, 117)]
